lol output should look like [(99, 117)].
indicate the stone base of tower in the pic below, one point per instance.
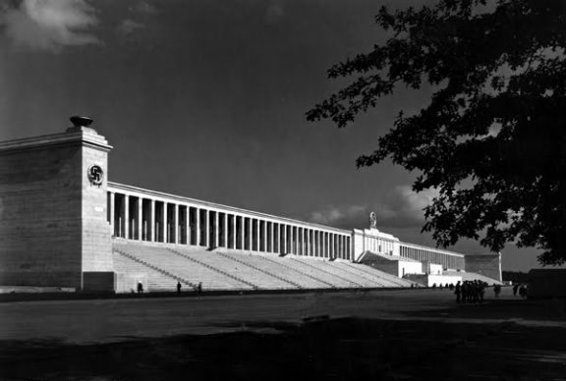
[(53, 228)]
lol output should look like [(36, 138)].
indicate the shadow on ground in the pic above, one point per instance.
[(550, 310), (317, 348)]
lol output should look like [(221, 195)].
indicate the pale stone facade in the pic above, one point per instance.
[(52, 227)]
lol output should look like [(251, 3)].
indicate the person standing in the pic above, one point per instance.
[(178, 287), (496, 290), (458, 292)]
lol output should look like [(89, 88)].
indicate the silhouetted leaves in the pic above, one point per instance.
[(493, 138)]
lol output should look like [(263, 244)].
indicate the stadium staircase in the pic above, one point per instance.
[(227, 269), (362, 278), (319, 269), (158, 278), (296, 271), (202, 260), (256, 263), (392, 280), (195, 273)]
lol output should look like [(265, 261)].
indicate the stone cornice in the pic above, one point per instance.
[(86, 136)]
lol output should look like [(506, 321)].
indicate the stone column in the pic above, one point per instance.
[(284, 238), (225, 231), (264, 229), (126, 222), (217, 235), (151, 219), (164, 228), (175, 238), (111, 211), (271, 239), (187, 225), (140, 219), (233, 240)]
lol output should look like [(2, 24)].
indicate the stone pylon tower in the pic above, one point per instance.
[(53, 206)]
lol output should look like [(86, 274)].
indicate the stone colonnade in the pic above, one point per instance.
[(143, 217), (448, 260)]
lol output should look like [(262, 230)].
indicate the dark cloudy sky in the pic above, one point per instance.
[(207, 99)]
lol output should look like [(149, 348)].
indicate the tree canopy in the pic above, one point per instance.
[(492, 140)]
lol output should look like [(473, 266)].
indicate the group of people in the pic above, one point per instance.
[(470, 291), (474, 291), (522, 288), (198, 287)]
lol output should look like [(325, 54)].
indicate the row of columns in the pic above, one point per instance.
[(145, 219), (427, 255)]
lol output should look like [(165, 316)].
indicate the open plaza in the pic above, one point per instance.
[(349, 335)]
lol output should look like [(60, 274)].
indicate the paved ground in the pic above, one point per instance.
[(404, 334)]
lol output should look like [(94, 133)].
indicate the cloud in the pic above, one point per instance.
[(143, 7), (400, 208), (49, 24), (128, 27), (337, 216), (403, 207)]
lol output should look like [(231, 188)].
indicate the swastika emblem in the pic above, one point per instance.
[(95, 175)]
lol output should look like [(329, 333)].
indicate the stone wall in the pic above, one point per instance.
[(96, 231), (488, 265), (52, 217), (40, 216)]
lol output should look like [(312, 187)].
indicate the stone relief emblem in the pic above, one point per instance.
[(373, 220), (95, 175)]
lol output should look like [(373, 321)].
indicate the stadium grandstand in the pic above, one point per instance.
[(63, 224)]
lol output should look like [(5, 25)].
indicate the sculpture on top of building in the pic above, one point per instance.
[(372, 220)]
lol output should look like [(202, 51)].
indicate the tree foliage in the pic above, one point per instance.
[(492, 140)]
